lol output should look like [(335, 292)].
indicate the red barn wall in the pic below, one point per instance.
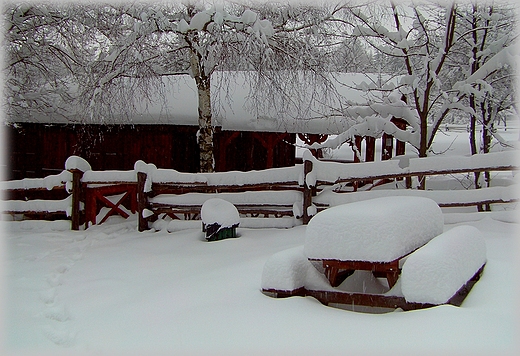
[(37, 150)]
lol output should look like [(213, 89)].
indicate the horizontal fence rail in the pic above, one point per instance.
[(298, 192)]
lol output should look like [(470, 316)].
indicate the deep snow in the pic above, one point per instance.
[(377, 230), (111, 289)]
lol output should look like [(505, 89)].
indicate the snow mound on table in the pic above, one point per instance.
[(376, 230), (436, 271), (219, 211)]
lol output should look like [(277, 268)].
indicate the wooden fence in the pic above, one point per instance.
[(297, 192)]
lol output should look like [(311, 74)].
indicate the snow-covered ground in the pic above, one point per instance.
[(112, 290)]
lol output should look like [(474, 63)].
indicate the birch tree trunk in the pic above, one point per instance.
[(205, 133)]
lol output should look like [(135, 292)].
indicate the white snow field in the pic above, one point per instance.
[(114, 291)]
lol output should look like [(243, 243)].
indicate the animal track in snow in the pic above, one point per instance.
[(57, 325), (62, 268), (54, 279)]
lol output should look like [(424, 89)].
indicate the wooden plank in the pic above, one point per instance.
[(477, 202), (182, 188), (417, 173), (276, 210), (373, 300)]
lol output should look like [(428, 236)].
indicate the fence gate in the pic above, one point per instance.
[(113, 197)]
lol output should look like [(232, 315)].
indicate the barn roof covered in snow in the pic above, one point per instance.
[(233, 107)]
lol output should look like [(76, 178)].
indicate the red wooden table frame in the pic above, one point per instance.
[(337, 271)]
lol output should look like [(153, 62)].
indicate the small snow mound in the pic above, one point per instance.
[(200, 20), (436, 271), (377, 230), (249, 17), (75, 162), (219, 211), (286, 270), (141, 166)]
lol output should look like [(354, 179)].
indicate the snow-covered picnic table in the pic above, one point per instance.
[(371, 235), (399, 238)]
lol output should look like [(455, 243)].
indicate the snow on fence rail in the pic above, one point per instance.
[(16, 194), (296, 193), (272, 192), (330, 173)]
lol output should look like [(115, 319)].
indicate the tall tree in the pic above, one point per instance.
[(486, 31), (429, 84), (154, 41)]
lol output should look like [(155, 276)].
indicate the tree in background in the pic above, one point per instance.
[(422, 45), (42, 51), (154, 41), (114, 55), (486, 35)]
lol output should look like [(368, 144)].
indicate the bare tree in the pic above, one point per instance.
[(486, 31), (42, 52), (428, 85)]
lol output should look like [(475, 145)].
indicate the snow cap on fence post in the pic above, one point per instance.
[(309, 182), (148, 169), (77, 166), (76, 162)]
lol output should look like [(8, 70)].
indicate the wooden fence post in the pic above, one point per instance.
[(141, 201), (307, 192), (76, 197)]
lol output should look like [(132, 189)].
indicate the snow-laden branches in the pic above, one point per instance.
[(432, 41)]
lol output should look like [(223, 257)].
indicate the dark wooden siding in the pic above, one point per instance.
[(245, 151), (37, 150)]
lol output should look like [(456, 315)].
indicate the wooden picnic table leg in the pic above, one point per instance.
[(336, 276), (331, 273), (392, 278), (393, 272)]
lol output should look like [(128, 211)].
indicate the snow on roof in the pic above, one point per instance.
[(231, 109)]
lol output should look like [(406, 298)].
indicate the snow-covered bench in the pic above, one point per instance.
[(371, 235), (436, 272)]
